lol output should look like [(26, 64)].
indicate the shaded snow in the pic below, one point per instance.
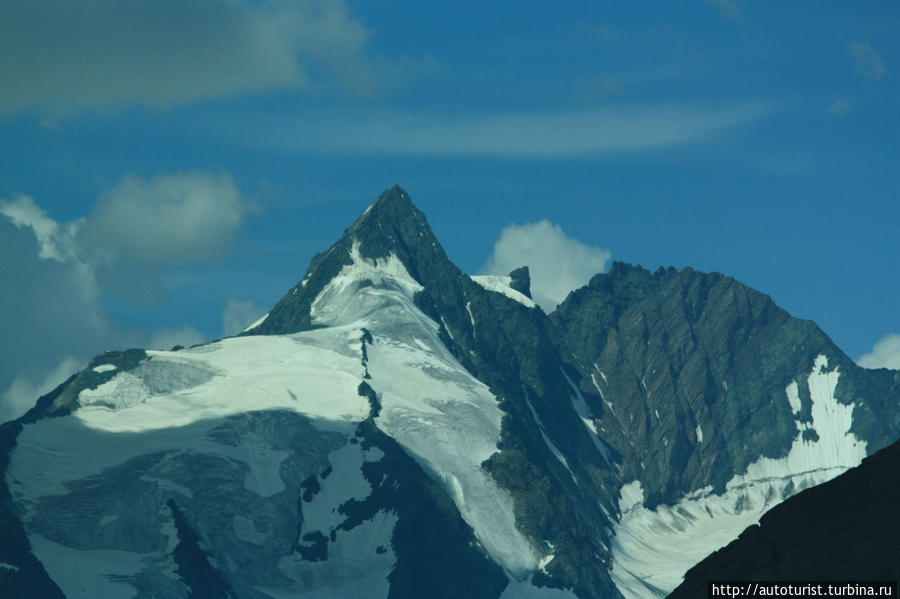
[(89, 574), (652, 549), (172, 405), (501, 285), (525, 590), (245, 530), (354, 567)]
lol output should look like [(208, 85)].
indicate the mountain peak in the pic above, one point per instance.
[(390, 228), (391, 225), (396, 197)]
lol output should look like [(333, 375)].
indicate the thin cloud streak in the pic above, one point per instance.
[(558, 134)]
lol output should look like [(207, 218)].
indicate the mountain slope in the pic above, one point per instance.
[(396, 428), (720, 404), (796, 539)]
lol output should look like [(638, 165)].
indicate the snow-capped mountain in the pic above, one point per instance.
[(396, 428)]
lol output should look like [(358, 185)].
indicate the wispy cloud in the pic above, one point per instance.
[(550, 134), (869, 64), (238, 315), (728, 8), (885, 354), (839, 107), (557, 263), (88, 53)]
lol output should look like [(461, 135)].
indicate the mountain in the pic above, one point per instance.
[(796, 540), (396, 428)]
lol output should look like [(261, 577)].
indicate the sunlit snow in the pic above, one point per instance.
[(501, 284), (652, 549)]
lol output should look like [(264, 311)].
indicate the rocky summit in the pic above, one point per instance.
[(395, 428)]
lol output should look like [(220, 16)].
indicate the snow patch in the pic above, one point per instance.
[(550, 444), (261, 319), (88, 574), (339, 302), (699, 432), (358, 565), (501, 285), (245, 530), (104, 367), (793, 395), (587, 418), (471, 318), (652, 549)]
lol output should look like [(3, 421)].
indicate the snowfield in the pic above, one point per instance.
[(652, 549), (229, 429)]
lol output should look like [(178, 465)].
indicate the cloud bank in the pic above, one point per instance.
[(558, 263), (885, 354), (87, 53), (55, 275)]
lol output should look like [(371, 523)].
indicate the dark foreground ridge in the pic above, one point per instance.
[(845, 529)]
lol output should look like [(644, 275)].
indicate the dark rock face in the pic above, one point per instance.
[(521, 280), (844, 529), (675, 352)]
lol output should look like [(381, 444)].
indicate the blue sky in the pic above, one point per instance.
[(168, 169)]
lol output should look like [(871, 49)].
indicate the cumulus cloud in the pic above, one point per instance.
[(167, 219), (86, 53), (54, 276), (885, 354), (238, 315), (558, 263), (51, 319), (869, 64), (550, 134)]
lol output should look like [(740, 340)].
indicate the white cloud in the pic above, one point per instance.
[(557, 263), (885, 354), (869, 64), (55, 240), (87, 53), (22, 393), (551, 134), (238, 315), (54, 276), (167, 219)]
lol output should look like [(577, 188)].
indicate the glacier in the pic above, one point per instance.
[(652, 549), (227, 418)]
